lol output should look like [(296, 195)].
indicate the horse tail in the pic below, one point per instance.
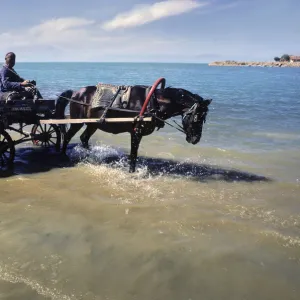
[(60, 107)]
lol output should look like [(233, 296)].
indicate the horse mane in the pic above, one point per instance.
[(186, 91)]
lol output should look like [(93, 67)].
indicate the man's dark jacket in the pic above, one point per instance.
[(10, 80)]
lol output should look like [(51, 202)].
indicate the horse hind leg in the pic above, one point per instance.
[(74, 128), (86, 135)]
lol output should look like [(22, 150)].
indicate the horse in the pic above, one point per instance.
[(165, 103)]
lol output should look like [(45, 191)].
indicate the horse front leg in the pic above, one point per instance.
[(86, 135), (135, 143), (74, 128)]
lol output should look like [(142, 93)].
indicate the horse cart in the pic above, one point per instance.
[(45, 130), (15, 115)]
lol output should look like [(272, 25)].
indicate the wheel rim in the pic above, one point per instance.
[(46, 135), (7, 150)]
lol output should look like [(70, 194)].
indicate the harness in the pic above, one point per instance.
[(108, 95)]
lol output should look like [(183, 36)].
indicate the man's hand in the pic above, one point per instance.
[(25, 83)]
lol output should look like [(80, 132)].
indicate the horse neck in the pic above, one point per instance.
[(168, 108)]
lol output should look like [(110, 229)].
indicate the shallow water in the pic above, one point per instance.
[(219, 220)]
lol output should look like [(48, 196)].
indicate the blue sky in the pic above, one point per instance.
[(144, 30)]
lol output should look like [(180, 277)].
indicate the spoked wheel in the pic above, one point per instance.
[(46, 135), (7, 150)]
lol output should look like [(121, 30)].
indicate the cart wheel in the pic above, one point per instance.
[(46, 135), (7, 150)]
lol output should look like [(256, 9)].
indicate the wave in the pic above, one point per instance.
[(279, 135)]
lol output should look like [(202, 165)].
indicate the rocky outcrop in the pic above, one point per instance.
[(233, 63)]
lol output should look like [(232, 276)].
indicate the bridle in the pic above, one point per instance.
[(190, 116), (194, 115)]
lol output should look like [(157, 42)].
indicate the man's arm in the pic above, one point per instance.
[(6, 83), (19, 79)]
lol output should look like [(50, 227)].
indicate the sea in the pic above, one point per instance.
[(216, 220)]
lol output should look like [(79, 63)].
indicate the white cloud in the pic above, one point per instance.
[(148, 13), (55, 31), (61, 24), (74, 39)]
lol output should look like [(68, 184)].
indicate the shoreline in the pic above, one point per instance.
[(233, 63)]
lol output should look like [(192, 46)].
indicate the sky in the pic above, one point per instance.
[(149, 30)]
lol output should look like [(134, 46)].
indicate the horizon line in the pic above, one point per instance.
[(122, 62)]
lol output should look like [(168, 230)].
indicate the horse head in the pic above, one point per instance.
[(193, 109)]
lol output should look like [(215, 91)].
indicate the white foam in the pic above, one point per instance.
[(9, 276), (287, 241), (95, 154)]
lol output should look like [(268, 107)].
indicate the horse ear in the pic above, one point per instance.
[(205, 102)]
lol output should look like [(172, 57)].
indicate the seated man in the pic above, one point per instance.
[(12, 86)]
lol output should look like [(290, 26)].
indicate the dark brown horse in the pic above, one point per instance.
[(166, 103)]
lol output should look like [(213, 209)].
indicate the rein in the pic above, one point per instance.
[(75, 101), (179, 128)]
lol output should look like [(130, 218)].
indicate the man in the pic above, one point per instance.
[(12, 86)]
